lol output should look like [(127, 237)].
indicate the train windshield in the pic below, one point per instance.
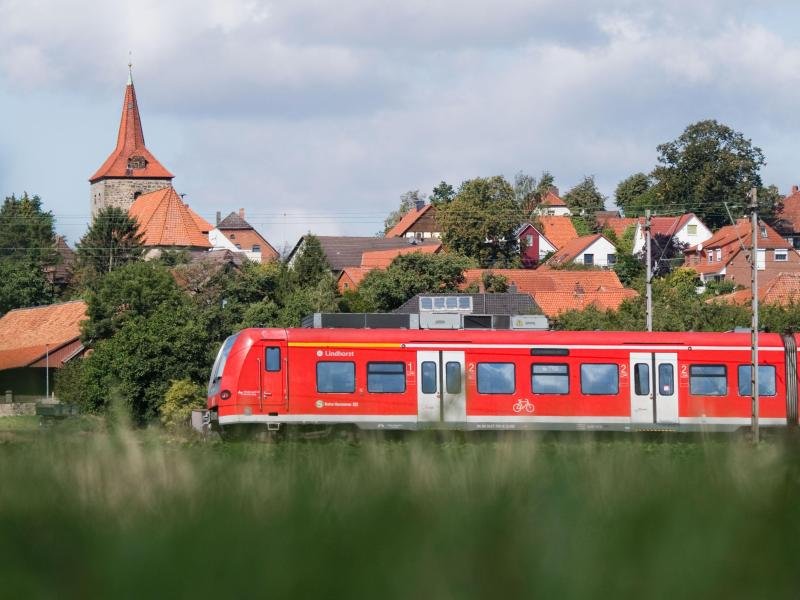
[(219, 365)]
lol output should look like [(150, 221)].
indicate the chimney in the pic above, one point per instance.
[(219, 215), (420, 204), (794, 189), (241, 213)]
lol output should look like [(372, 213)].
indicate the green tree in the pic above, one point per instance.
[(585, 199), (113, 239), (408, 275), (708, 165), (128, 293), (181, 398), (23, 284), (408, 202), (442, 193), (494, 283), (311, 266), (26, 231), (530, 191), (480, 222), (633, 194)]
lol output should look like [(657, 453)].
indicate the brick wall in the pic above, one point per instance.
[(121, 192), (738, 269)]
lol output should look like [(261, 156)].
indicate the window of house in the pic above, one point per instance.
[(641, 374), (238, 246), (781, 255), (719, 254), (588, 259), (386, 377), (256, 248), (549, 379), (529, 241), (336, 377), (272, 360), (763, 231), (428, 377), (761, 259), (612, 259), (496, 378), (691, 229), (710, 256), (766, 380), (708, 380), (599, 379)]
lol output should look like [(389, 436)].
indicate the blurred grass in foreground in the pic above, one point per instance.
[(138, 514)]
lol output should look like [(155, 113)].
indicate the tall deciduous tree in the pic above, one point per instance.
[(633, 194), (709, 165), (480, 221), (585, 199), (442, 193), (530, 191), (113, 239)]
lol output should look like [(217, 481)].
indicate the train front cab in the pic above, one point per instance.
[(249, 378)]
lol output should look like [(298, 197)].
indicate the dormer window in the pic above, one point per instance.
[(137, 162), (763, 231)]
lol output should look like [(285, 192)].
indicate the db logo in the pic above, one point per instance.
[(319, 352), (319, 404)]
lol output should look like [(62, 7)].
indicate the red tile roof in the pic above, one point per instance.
[(667, 225), (529, 281), (411, 217), (28, 334), (130, 143), (380, 259), (552, 199), (619, 224), (783, 290), (789, 215), (165, 220), (554, 303), (741, 233), (559, 230), (572, 249), (353, 276)]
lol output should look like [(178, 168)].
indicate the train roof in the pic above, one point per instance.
[(567, 338)]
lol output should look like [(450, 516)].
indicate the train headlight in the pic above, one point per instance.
[(225, 394)]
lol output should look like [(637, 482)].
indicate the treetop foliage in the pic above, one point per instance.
[(113, 239), (585, 198)]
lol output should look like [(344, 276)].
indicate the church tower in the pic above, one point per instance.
[(130, 170)]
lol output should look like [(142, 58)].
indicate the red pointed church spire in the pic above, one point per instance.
[(131, 159)]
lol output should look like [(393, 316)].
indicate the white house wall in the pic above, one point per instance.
[(683, 236), (600, 249)]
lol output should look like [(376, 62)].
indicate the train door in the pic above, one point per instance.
[(273, 392), (654, 393), (441, 389)]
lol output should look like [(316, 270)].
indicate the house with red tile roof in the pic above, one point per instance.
[(237, 235), (787, 222), (34, 342), (556, 291), (166, 222), (533, 245), (419, 223), (350, 277), (726, 254), (783, 290), (552, 205), (590, 250), (131, 169), (557, 229), (619, 225), (687, 229)]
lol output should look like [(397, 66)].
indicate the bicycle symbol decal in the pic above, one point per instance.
[(522, 404)]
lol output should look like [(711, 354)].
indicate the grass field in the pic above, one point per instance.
[(86, 512)]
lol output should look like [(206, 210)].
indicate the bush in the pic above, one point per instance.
[(182, 396)]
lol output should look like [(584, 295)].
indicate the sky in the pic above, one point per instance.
[(316, 116)]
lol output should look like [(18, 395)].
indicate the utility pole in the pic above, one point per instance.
[(754, 327), (649, 275)]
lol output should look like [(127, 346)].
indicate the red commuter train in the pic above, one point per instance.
[(500, 379)]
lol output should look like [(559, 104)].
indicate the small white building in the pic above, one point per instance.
[(590, 250), (687, 229), (552, 205)]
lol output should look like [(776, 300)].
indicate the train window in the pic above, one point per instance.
[(708, 380), (666, 379), (386, 378), (452, 377), (599, 379), (766, 380), (496, 378), (336, 377), (273, 359), (641, 373), (219, 364), (549, 379), (428, 377)]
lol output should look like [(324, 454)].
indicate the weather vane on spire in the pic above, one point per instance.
[(130, 67)]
